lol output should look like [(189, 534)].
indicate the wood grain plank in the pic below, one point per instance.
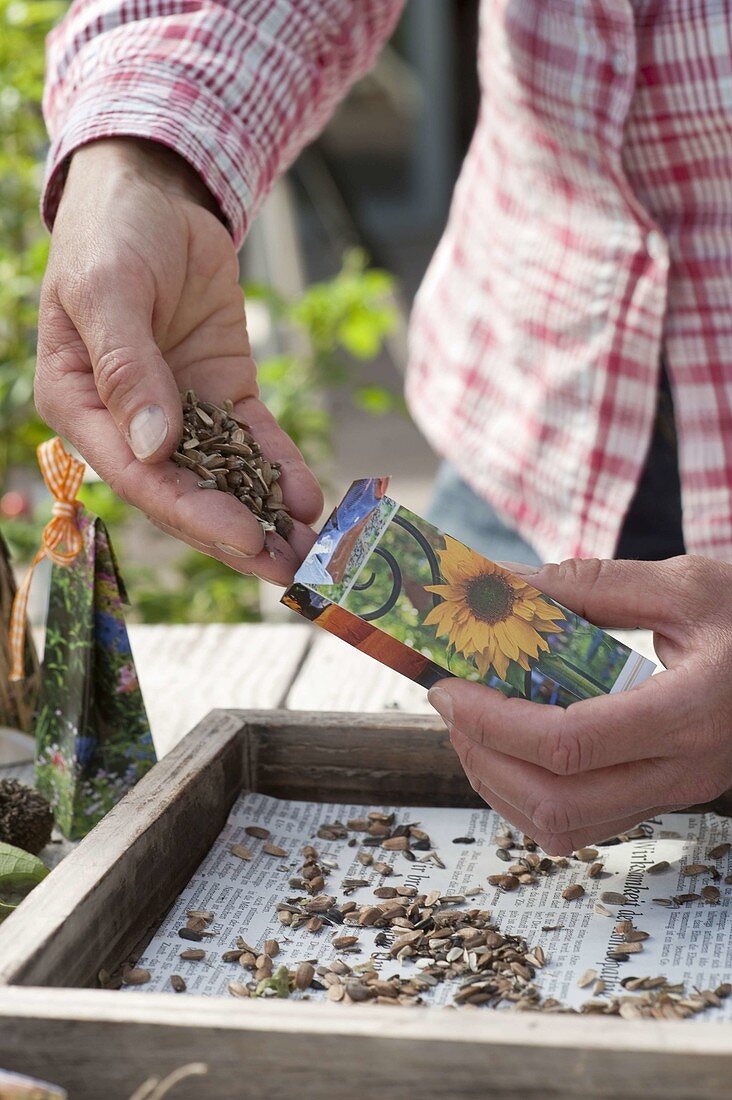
[(379, 759), (97, 1043), (336, 677), (186, 670)]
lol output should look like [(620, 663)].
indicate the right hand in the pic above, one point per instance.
[(141, 301)]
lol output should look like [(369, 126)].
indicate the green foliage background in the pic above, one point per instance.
[(344, 318)]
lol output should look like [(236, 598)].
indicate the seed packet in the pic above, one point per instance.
[(394, 586), (93, 739)]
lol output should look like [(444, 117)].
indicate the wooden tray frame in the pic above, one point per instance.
[(104, 898)]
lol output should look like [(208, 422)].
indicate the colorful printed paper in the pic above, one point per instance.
[(93, 739), (394, 586)]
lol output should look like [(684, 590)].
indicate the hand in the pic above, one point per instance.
[(572, 777), (141, 301)]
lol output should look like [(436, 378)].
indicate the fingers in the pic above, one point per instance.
[(132, 377), (611, 593), (277, 563), (559, 845), (653, 719), (558, 807)]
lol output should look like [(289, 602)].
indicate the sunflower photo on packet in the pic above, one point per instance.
[(391, 584)]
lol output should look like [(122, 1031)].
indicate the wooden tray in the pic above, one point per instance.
[(118, 883)]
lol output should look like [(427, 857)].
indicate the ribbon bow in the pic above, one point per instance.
[(62, 475)]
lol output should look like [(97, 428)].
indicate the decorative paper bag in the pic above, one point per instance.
[(93, 739)]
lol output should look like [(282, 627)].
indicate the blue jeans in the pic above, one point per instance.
[(460, 512)]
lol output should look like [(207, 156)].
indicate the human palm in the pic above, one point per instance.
[(141, 302)]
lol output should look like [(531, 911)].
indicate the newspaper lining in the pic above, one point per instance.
[(692, 944)]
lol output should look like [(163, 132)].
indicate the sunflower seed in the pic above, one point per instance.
[(658, 868), (240, 851), (586, 855), (610, 897), (720, 851), (304, 975), (216, 440), (274, 850), (193, 953), (695, 869), (238, 989), (587, 978), (571, 893), (257, 831), (136, 975), (178, 983)]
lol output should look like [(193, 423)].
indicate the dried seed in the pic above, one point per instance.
[(238, 989), (258, 831), (695, 869), (178, 983), (271, 948), (274, 850), (189, 934), (710, 894), (571, 893), (202, 914), (586, 855), (658, 868), (611, 897), (232, 956), (385, 892), (136, 975), (304, 975), (595, 870), (341, 943), (194, 954), (395, 844), (240, 851), (600, 909), (720, 851), (587, 978), (464, 840)]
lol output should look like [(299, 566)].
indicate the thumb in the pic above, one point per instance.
[(623, 594), (132, 377)]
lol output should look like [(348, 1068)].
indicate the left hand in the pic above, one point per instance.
[(576, 776)]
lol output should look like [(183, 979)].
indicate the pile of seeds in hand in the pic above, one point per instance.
[(444, 937), (219, 447)]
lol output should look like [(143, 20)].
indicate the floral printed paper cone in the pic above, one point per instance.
[(93, 739)]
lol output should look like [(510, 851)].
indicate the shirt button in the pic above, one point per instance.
[(656, 245), (620, 63)]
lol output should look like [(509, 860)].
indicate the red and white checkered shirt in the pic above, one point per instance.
[(591, 226)]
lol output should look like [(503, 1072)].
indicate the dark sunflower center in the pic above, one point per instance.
[(490, 597)]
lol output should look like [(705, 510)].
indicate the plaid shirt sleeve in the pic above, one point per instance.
[(236, 87)]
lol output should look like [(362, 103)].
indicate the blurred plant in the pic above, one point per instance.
[(23, 244), (347, 316)]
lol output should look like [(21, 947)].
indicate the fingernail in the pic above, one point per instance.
[(233, 550), (519, 568), (148, 431), (441, 700)]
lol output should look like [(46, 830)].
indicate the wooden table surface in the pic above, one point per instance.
[(186, 671)]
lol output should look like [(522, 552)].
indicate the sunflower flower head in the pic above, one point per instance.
[(489, 615)]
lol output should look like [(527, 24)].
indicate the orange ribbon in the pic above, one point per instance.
[(63, 476)]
